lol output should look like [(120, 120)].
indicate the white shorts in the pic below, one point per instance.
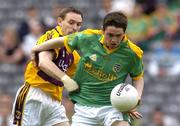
[(96, 116), (36, 108)]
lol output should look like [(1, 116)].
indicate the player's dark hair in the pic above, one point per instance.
[(64, 11), (117, 19)]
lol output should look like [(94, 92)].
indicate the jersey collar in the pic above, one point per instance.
[(59, 30)]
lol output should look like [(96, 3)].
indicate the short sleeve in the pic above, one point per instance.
[(137, 69), (71, 42)]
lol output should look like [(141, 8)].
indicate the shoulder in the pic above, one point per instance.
[(50, 34), (86, 35), (53, 33), (92, 31), (90, 34), (135, 49)]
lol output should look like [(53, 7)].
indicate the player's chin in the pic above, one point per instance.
[(71, 32), (113, 46)]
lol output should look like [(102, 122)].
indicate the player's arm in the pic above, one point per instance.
[(139, 85), (49, 44), (47, 66)]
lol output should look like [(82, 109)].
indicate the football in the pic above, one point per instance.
[(124, 97)]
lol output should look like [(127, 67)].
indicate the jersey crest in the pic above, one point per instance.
[(116, 67), (93, 57)]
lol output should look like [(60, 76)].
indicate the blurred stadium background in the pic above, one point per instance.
[(154, 25)]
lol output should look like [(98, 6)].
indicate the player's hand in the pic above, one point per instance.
[(69, 83), (135, 114)]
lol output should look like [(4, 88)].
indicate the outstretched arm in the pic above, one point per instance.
[(49, 44)]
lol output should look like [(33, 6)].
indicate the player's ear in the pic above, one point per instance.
[(102, 29), (59, 20)]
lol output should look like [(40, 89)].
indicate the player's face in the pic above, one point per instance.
[(71, 23), (113, 36)]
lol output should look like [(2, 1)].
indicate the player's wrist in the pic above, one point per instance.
[(139, 102), (69, 83)]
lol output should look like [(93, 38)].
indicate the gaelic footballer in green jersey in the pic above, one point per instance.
[(101, 69)]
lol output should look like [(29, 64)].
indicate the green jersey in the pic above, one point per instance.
[(100, 69)]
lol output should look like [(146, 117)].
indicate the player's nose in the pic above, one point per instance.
[(75, 27)]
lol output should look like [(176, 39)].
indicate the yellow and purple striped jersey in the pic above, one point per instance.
[(64, 60)]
